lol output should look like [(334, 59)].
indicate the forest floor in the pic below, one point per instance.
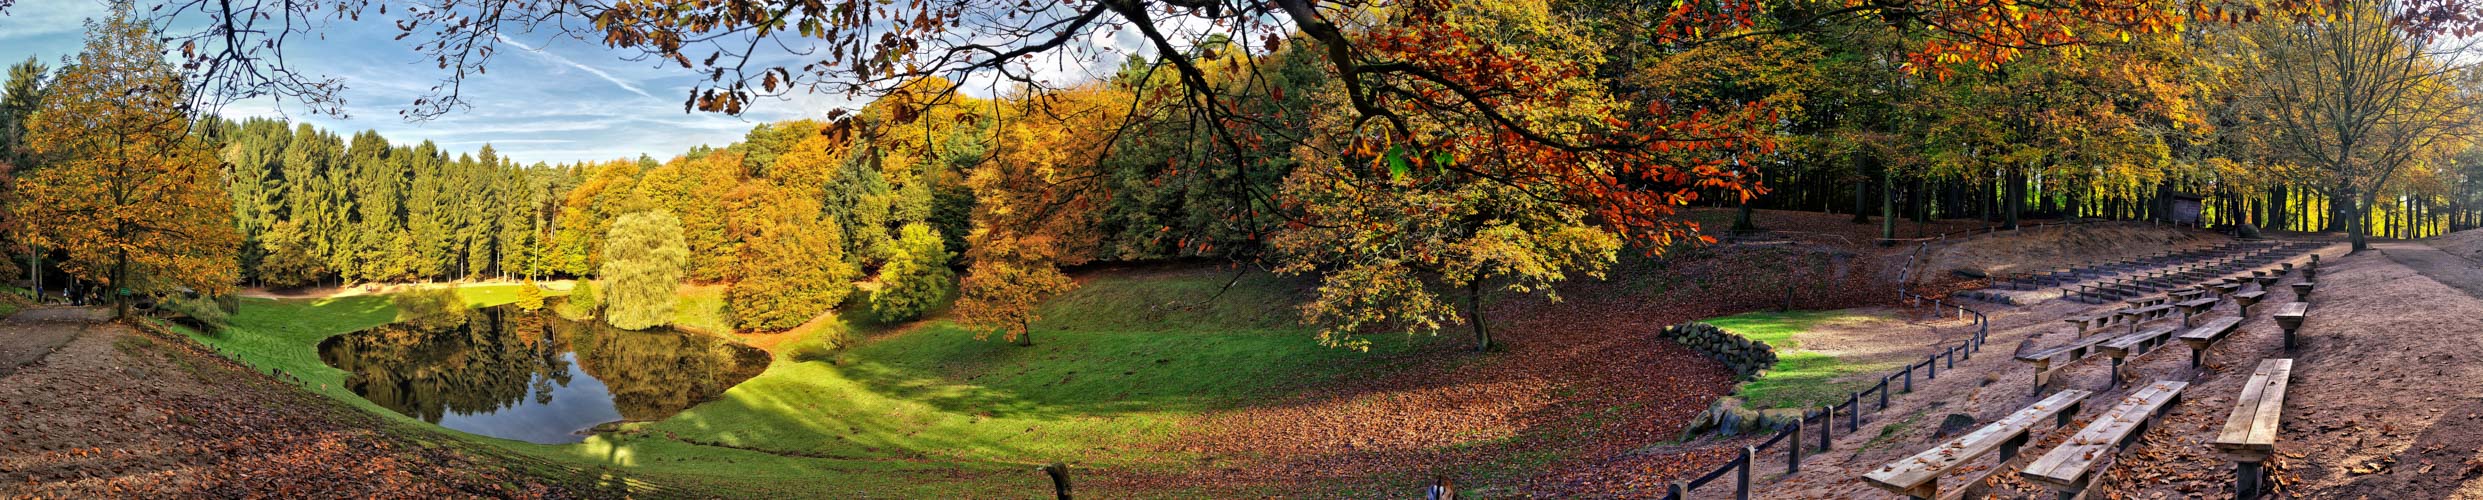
[(96, 409)]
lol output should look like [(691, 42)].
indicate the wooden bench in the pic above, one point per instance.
[(2289, 317), (2247, 299), (2249, 435), (2193, 308), (2121, 347), (2186, 295), (1919, 476), (2207, 335), (2085, 321), (2302, 291), (2067, 468), (2042, 360), (2227, 289)]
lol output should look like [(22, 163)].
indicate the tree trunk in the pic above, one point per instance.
[(1474, 314), (1862, 193), (1741, 219), (2357, 223), (2016, 203), (1887, 206)]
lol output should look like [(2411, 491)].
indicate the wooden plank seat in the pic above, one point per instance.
[(2042, 360), (2188, 294), (2247, 299), (2120, 348), (2226, 289), (2086, 321), (2289, 316), (2302, 291), (2147, 301), (2067, 468), (1918, 476), (2267, 280), (2206, 335), (2249, 435), (2194, 307)]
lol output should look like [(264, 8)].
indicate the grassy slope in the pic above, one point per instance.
[(1118, 367), (1801, 378)]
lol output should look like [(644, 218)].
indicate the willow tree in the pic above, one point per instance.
[(128, 193), (2361, 96), (642, 260)]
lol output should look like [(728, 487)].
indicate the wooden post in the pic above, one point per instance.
[(1883, 393), (1741, 480), (1931, 368), (1674, 491), (1853, 422), (1909, 379), (1060, 478), (1793, 459), (1827, 429)]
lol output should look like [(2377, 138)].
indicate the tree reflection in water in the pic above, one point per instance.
[(532, 376)]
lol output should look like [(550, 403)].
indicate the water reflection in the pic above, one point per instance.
[(532, 376)]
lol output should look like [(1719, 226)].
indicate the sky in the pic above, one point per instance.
[(545, 98)]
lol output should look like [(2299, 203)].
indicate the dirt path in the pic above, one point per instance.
[(32, 334), (117, 413)]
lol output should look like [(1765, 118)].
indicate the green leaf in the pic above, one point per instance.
[(1397, 165)]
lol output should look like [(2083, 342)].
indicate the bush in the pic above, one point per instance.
[(916, 278), (529, 296), (642, 259), (203, 312), (584, 299)]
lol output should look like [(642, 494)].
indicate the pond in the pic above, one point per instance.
[(533, 376)]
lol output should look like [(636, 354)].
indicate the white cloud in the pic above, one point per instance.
[(599, 73)]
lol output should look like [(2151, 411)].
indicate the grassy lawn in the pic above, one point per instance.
[(1118, 368), (1801, 378)]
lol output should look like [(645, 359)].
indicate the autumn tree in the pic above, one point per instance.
[(642, 259), (792, 264), (2363, 97), (20, 96), (916, 278), (129, 194)]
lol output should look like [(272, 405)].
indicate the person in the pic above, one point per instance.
[(1440, 489)]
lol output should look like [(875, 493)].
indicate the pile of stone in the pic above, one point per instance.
[(1744, 357)]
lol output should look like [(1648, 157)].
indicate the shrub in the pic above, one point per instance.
[(202, 311), (642, 259), (529, 296), (916, 277), (584, 299)]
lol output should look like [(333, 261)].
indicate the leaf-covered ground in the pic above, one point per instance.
[(119, 413)]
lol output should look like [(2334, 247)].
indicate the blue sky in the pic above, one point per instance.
[(562, 101)]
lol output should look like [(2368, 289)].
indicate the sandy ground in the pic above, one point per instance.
[(116, 413), (1992, 385)]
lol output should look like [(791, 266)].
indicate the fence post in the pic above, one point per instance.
[(1909, 379), (1883, 393), (1793, 460), (1741, 480), (1827, 427), (1931, 367), (1952, 357), (1853, 423), (1677, 492)]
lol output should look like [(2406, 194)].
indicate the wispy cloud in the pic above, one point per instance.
[(548, 56)]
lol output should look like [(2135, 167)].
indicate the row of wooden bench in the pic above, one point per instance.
[(2073, 275), (2247, 438), (2180, 276)]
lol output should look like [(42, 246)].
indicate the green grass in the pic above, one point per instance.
[(1119, 368), (702, 309), (1800, 379)]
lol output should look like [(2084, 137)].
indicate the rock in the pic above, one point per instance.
[(1952, 424)]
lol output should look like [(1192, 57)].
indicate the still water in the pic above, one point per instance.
[(533, 376)]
